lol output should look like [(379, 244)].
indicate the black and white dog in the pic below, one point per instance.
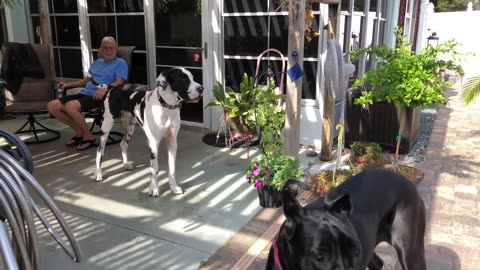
[(157, 111), (341, 230)]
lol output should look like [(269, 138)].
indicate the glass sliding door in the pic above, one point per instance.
[(178, 43)]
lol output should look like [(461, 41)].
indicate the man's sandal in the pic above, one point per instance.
[(74, 141), (85, 144)]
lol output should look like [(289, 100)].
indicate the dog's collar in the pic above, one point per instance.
[(276, 257), (168, 106)]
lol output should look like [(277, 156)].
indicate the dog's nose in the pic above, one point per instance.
[(200, 89)]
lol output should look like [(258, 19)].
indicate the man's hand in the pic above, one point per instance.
[(98, 95), (61, 85)]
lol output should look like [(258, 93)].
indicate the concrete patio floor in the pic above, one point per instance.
[(118, 226)]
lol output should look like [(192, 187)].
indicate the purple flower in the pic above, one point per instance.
[(247, 177), (256, 172), (257, 164), (259, 184)]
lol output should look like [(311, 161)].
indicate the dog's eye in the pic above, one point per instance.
[(357, 252)]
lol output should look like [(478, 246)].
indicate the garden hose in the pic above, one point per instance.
[(19, 249)]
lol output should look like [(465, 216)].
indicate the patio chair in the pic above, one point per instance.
[(125, 52), (31, 99)]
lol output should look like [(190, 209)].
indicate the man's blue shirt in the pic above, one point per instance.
[(105, 73)]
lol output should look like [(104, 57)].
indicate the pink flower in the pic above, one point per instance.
[(256, 172), (257, 164), (259, 184), (321, 190), (247, 177), (359, 161)]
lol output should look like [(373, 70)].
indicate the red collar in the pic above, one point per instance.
[(275, 254)]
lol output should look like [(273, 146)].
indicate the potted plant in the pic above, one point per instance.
[(268, 174), (251, 110), (366, 155), (388, 97)]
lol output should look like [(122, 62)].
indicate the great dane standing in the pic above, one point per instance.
[(157, 111), (341, 230)]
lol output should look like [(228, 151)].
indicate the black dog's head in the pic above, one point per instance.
[(318, 236), (180, 81)]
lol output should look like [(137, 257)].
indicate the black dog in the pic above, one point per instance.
[(341, 230)]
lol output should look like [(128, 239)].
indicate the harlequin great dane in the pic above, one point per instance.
[(341, 230), (157, 111)]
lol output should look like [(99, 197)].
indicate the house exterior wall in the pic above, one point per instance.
[(372, 22)]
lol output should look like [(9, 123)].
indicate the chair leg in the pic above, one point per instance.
[(32, 122)]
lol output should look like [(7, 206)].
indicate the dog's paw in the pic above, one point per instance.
[(153, 192), (128, 166), (98, 177), (176, 190)]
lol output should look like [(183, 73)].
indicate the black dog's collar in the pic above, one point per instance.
[(168, 106)]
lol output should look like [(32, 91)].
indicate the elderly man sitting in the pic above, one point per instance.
[(109, 70)]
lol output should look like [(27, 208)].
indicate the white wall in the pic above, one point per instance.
[(462, 26)]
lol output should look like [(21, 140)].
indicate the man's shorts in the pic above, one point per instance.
[(86, 102)]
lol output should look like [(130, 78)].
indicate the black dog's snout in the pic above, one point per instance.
[(200, 89)]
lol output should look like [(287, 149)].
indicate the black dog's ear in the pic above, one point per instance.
[(338, 202), (291, 208)]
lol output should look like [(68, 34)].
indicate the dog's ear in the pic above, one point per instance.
[(162, 79), (291, 208), (338, 202)]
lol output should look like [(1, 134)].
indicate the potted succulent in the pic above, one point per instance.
[(389, 96), (268, 174)]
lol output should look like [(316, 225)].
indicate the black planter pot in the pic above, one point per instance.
[(269, 197), (380, 123)]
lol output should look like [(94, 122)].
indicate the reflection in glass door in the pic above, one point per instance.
[(178, 31)]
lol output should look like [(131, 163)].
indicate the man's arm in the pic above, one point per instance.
[(79, 83)]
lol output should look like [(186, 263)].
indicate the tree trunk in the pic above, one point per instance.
[(296, 18), (46, 35)]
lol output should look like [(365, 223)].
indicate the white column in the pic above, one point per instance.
[(422, 26)]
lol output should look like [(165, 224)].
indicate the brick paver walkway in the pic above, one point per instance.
[(450, 190)]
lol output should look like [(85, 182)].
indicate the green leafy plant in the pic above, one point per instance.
[(366, 155), (273, 170), (405, 78), (255, 106), (470, 90)]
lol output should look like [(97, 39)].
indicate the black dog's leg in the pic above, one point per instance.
[(270, 260), (408, 231), (376, 263)]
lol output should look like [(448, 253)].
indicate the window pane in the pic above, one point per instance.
[(373, 5), (71, 63), (383, 9), (95, 6), (33, 6), (129, 6), (309, 80), (65, 6), (248, 35), (36, 29), (231, 6), (132, 31), (279, 34), (170, 32), (138, 74), (179, 57), (65, 30), (100, 26), (358, 6), (345, 5)]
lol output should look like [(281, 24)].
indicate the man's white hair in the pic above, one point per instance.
[(111, 39)]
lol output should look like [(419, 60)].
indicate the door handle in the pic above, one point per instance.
[(205, 49)]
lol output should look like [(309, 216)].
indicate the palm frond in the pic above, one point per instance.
[(470, 90)]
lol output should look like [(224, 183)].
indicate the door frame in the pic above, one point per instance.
[(210, 59)]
